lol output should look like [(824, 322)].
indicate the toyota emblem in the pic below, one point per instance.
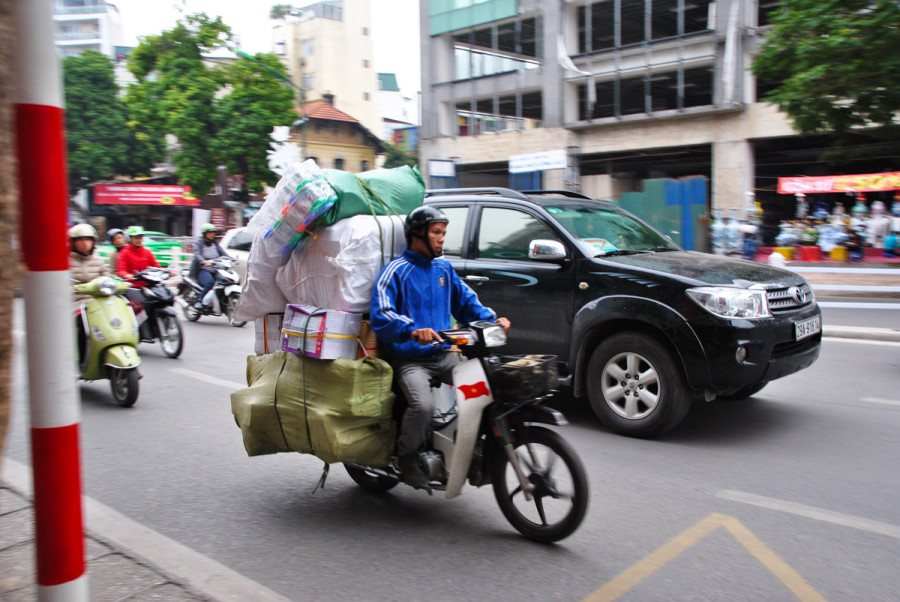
[(798, 294)]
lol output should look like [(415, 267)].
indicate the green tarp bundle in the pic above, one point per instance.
[(338, 410), (395, 191)]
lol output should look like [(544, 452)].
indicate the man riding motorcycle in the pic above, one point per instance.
[(206, 249), (413, 298)]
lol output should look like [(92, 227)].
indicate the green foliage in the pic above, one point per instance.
[(99, 142), (176, 91), (244, 117), (835, 65), (395, 157), (280, 11)]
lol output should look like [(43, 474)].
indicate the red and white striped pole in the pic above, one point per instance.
[(54, 401)]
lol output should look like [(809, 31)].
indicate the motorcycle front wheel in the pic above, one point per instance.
[(559, 486), (370, 480), (190, 312), (231, 303), (171, 339), (125, 385)]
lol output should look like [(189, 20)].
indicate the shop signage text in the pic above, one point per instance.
[(143, 194), (555, 159), (868, 182)]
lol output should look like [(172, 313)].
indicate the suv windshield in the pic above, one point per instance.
[(607, 230)]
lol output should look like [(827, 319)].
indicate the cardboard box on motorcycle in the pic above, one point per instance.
[(338, 410)]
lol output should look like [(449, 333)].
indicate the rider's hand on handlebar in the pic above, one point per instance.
[(425, 336), (505, 323)]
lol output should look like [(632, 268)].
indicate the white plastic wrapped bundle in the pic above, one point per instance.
[(338, 267), (260, 295), (286, 211)]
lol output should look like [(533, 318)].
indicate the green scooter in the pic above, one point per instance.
[(109, 337)]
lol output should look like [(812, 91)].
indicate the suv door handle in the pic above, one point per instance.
[(472, 278)]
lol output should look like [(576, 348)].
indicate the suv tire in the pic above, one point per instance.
[(635, 386)]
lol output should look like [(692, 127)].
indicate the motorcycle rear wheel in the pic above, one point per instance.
[(564, 484), (230, 305), (171, 338), (370, 480), (125, 386)]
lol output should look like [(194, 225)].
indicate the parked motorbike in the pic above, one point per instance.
[(222, 299), (161, 323), (108, 338), (492, 435)]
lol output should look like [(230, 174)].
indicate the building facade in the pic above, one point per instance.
[(617, 91), (327, 49), (334, 139), (81, 25)]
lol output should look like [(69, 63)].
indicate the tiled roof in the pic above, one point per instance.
[(319, 109)]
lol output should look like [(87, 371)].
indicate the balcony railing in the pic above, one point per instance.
[(78, 10)]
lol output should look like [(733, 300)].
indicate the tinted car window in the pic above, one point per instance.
[(608, 230), (506, 233), (453, 240), (241, 241)]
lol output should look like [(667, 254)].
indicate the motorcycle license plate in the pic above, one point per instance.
[(807, 328)]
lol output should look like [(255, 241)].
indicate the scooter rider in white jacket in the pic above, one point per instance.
[(413, 298)]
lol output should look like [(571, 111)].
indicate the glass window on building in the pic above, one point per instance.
[(616, 23), (339, 163), (308, 47), (309, 82), (497, 49), (364, 165)]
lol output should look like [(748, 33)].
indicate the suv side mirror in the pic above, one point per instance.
[(546, 250)]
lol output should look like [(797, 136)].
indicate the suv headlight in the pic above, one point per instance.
[(727, 302)]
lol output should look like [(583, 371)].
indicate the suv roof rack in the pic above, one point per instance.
[(504, 192), (569, 193)]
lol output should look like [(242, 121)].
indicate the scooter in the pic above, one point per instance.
[(221, 299), (109, 337), (162, 322), (492, 435)]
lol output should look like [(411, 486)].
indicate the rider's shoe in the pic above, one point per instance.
[(412, 473), (198, 305)]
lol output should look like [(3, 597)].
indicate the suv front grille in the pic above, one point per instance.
[(789, 298)]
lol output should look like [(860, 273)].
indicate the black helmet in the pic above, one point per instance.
[(422, 216)]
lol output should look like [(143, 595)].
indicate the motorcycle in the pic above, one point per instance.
[(221, 299), (161, 322), (108, 338), (492, 435)]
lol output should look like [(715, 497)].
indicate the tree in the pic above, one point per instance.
[(280, 11), (244, 117), (834, 64), (99, 143), (396, 157), (176, 91)]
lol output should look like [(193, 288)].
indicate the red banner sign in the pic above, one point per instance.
[(143, 194), (868, 182)]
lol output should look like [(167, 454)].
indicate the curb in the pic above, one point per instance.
[(862, 332)]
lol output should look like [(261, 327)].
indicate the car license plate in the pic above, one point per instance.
[(807, 328)]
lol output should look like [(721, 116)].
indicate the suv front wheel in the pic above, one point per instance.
[(635, 386)]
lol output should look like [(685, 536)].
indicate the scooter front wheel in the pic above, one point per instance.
[(231, 303), (171, 339), (557, 481), (125, 386), (371, 480), (189, 309)]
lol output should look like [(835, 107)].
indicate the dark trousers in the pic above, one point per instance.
[(207, 280), (415, 377)]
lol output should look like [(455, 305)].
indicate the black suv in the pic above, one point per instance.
[(640, 326)]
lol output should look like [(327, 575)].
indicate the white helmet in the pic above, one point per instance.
[(82, 231)]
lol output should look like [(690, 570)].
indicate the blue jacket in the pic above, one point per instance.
[(415, 292)]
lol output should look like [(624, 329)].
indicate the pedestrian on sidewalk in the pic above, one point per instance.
[(890, 244)]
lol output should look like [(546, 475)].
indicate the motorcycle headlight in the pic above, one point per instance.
[(107, 287), (727, 302), (494, 336)]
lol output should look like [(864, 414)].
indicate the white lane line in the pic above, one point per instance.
[(887, 402), (836, 518), (208, 379), (190, 568), (858, 305)]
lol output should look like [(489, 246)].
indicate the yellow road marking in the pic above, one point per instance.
[(639, 571)]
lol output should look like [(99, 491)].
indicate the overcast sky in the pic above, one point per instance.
[(395, 28)]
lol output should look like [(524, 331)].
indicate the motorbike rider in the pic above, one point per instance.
[(206, 249), (117, 239), (413, 298), (84, 265), (133, 258)]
